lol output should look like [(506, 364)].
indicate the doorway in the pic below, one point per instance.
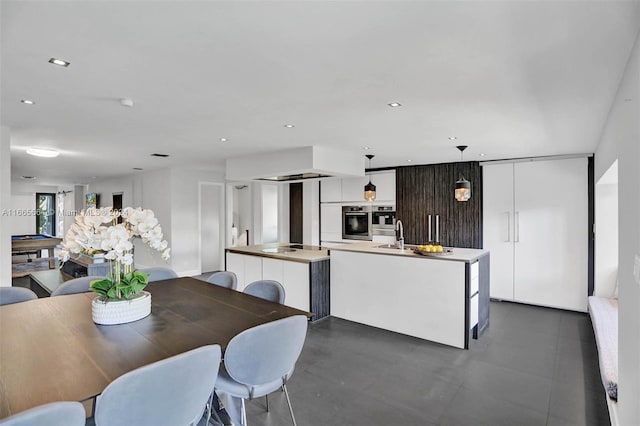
[(211, 218), (46, 213)]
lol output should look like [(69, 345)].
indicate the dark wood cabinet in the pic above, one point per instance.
[(429, 190)]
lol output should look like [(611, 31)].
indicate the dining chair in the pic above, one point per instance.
[(159, 273), (172, 391), (266, 289), (9, 295), (261, 360), (76, 285), (225, 279), (62, 413)]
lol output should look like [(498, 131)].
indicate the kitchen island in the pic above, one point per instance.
[(441, 297), (303, 271)]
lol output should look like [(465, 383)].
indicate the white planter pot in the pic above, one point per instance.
[(121, 311)]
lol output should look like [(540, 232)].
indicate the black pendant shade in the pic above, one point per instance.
[(463, 186), (369, 189)]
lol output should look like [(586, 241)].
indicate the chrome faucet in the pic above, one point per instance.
[(401, 228)]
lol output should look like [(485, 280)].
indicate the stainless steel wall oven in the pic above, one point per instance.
[(356, 223)]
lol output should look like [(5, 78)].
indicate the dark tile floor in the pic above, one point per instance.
[(534, 366)]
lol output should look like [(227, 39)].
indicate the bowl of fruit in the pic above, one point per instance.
[(432, 250)]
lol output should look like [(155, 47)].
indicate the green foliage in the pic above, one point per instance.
[(130, 284)]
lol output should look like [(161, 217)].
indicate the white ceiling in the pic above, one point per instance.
[(509, 79)]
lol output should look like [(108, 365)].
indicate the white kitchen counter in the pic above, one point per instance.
[(306, 254), (443, 298), (458, 254)]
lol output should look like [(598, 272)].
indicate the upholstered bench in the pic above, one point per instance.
[(604, 317)]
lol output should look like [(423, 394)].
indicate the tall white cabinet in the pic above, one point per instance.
[(535, 224)]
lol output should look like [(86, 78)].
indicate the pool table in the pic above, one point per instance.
[(24, 244)]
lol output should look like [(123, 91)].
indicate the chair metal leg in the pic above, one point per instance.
[(286, 393), (244, 414), (267, 399)]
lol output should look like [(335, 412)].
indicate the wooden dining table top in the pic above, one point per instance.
[(51, 350)]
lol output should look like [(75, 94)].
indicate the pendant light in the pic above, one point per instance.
[(370, 189), (463, 186)]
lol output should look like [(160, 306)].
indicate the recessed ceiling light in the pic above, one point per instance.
[(224, 140), (394, 104), (408, 161), (126, 102), (59, 62), (482, 154), (366, 147), (160, 155), (289, 126), (452, 138), (138, 168), (43, 152), (28, 177), (27, 101)]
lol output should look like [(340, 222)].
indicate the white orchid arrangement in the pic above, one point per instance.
[(98, 230)]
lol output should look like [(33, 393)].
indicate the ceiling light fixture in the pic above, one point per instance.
[(43, 152), (482, 154), (59, 62), (126, 102), (452, 138), (27, 101), (289, 126), (160, 155), (224, 140), (463, 186), (366, 148), (394, 104), (370, 189)]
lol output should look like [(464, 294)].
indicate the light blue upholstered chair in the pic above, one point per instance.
[(65, 413), (173, 391), (261, 360), (225, 279), (76, 285), (9, 295), (266, 289), (159, 273)]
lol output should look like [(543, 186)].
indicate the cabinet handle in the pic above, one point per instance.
[(429, 240), (508, 233), (438, 228), (516, 227)]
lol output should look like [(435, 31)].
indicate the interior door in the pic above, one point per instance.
[(550, 234), (498, 227)]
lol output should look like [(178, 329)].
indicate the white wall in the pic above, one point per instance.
[(172, 194), (5, 204), (270, 213), (185, 231), (621, 140), (606, 241), (23, 199), (106, 188)]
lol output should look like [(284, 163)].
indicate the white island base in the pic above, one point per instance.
[(426, 297)]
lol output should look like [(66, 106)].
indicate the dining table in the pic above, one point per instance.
[(51, 350)]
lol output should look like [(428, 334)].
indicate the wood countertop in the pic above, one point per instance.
[(285, 251)]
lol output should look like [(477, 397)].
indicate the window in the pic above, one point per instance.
[(45, 213)]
